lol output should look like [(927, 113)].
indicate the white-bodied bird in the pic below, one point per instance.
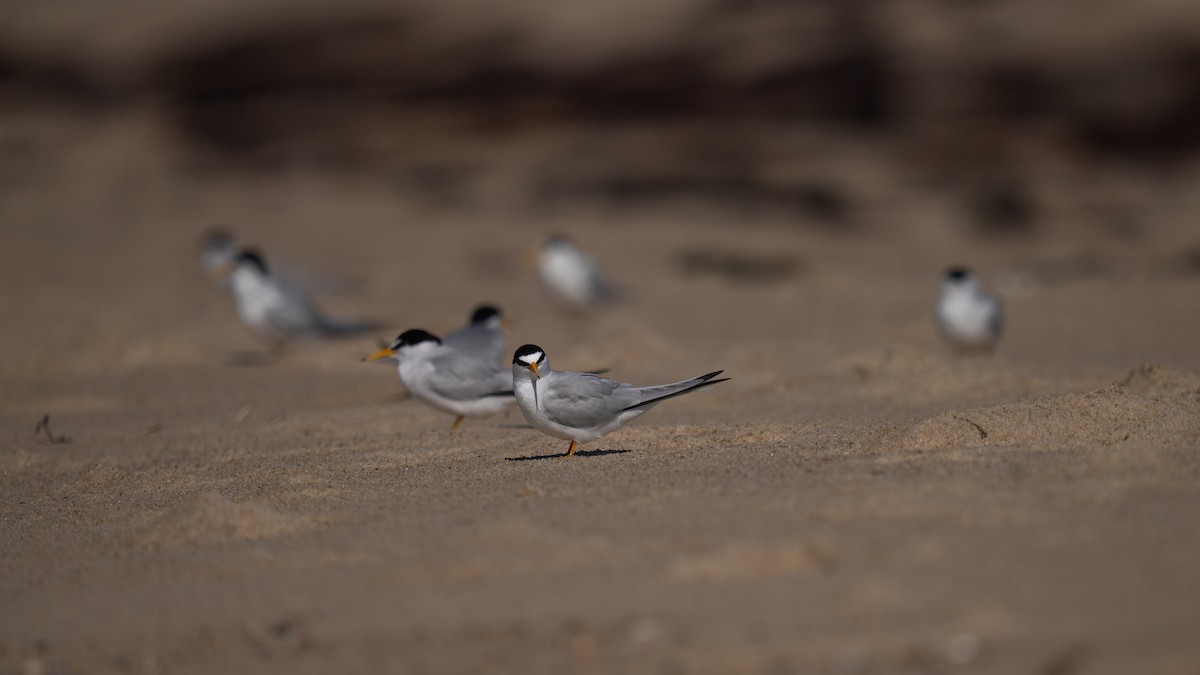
[(278, 311), (447, 379), (968, 316), (572, 275), (582, 407)]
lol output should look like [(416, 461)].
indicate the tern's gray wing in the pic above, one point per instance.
[(293, 315), (582, 400), (296, 315), (463, 377)]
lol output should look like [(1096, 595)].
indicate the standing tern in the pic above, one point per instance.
[(968, 316), (582, 407), (447, 379)]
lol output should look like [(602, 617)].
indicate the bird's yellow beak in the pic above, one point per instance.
[(533, 367), (385, 353), (224, 270), (507, 322)]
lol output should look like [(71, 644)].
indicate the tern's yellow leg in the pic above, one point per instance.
[(571, 450), (457, 422)]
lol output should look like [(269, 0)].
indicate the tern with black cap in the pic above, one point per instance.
[(968, 316), (278, 311), (483, 335), (582, 407), (447, 379)]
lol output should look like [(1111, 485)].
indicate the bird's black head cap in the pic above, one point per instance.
[(252, 257), (484, 313), (415, 336), (527, 354), (957, 273)]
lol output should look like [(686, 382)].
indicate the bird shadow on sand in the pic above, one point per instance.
[(579, 453)]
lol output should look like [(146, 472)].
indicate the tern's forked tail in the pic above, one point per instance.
[(664, 392)]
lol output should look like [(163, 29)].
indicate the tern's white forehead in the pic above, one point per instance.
[(531, 357)]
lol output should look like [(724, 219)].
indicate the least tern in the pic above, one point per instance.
[(967, 315), (218, 248), (279, 311), (573, 275), (447, 379), (482, 336), (581, 407)]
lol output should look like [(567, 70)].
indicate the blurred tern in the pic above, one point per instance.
[(581, 407), (572, 275), (482, 336), (447, 379), (218, 248), (967, 315), (279, 311)]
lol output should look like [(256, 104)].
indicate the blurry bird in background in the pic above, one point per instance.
[(279, 311), (483, 335), (572, 275), (447, 379), (968, 316), (218, 248)]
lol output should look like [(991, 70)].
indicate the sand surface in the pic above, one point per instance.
[(856, 499)]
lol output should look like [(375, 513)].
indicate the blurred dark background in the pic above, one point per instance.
[(737, 103)]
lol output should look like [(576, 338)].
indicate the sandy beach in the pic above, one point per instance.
[(858, 498)]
